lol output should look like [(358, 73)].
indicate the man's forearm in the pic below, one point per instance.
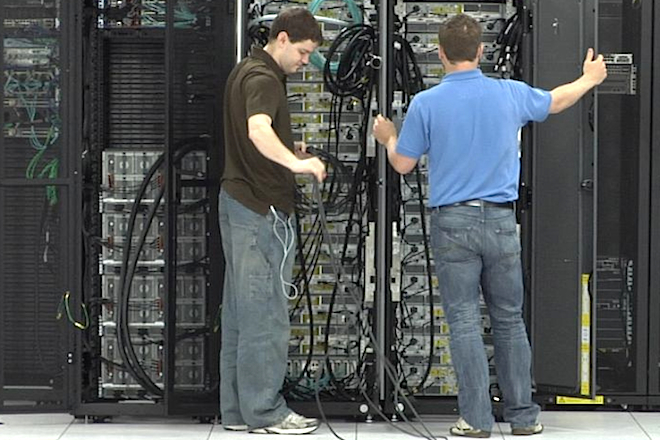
[(270, 145), (567, 95), (401, 164)]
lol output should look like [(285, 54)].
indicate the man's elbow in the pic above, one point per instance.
[(255, 134), (556, 107), (555, 104), (403, 166), (403, 169)]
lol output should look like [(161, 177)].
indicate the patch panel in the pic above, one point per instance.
[(115, 14), (47, 24), (25, 54)]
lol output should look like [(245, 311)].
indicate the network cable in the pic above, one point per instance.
[(388, 367), (129, 266)]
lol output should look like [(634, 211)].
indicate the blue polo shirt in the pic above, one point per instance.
[(468, 124)]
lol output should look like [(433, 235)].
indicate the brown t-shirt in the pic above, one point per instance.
[(257, 85)]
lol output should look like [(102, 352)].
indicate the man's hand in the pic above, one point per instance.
[(313, 165), (594, 70), (384, 131), (300, 150), (308, 164)]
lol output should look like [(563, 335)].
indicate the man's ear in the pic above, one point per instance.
[(442, 55), (480, 51), (282, 38)]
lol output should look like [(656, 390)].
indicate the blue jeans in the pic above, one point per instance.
[(477, 247), (255, 319)]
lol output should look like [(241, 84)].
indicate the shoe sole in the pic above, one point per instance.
[(235, 427), (293, 431), (525, 432), (460, 433)]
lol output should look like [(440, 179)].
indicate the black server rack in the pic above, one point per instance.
[(591, 195), (152, 261), (653, 244), (39, 286)]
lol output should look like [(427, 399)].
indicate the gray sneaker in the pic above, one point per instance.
[(464, 429), (528, 430), (292, 424)]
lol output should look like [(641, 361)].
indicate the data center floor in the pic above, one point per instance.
[(559, 425)]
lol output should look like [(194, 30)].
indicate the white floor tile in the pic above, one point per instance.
[(345, 430), (125, 428), (564, 425), (437, 425), (33, 426), (586, 425), (650, 423)]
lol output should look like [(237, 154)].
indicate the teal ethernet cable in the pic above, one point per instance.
[(317, 59)]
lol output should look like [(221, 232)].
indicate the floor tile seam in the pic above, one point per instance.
[(632, 415), (66, 429)]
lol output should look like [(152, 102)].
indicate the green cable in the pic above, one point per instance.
[(318, 59), (50, 171), (64, 304)]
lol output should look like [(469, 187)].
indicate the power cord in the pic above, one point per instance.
[(388, 367)]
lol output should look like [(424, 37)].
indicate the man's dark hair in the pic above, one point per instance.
[(460, 37), (298, 23)]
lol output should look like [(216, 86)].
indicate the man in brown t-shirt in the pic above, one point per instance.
[(257, 228)]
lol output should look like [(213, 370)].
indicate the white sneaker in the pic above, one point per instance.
[(464, 429), (235, 427), (292, 424)]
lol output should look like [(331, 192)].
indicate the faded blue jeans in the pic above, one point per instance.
[(473, 247), (255, 319)]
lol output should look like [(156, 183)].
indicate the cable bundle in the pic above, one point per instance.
[(357, 65), (407, 75), (510, 39), (129, 265)]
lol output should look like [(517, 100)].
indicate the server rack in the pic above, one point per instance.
[(152, 258), (38, 199), (608, 153), (654, 251)]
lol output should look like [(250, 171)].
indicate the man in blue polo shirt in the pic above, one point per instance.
[(468, 125)]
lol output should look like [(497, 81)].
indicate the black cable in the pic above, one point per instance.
[(509, 40), (357, 66), (124, 342), (305, 282), (387, 365), (127, 272), (407, 74), (429, 275)]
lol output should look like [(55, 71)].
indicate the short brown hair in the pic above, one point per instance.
[(460, 37), (298, 23)]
